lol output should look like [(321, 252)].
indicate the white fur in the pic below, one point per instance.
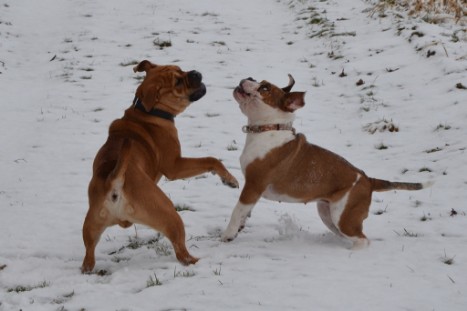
[(116, 202), (272, 195), (257, 145), (337, 208), (237, 220)]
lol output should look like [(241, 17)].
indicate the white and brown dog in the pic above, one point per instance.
[(282, 166)]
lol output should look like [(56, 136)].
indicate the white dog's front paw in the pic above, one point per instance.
[(228, 235)]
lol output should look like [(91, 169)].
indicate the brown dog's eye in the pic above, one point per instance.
[(178, 82)]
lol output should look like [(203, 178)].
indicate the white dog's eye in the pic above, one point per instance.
[(264, 88)]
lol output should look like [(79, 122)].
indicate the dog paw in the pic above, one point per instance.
[(225, 237), (230, 181)]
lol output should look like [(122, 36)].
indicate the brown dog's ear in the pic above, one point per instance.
[(150, 98), (145, 65), (293, 101)]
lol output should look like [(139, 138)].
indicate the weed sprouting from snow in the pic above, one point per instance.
[(163, 249), (183, 207), (153, 281), (425, 217), (232, 146), (381, 146), (447, 260), (212, 115), (218, 271), (425, 169), (433, 150), (381, 126), (381, 211), (63, 298), (185, 274), (409, 234), (442, 127), (162, 44)]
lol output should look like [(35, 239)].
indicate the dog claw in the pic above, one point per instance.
[(227, 238), (232, 182)]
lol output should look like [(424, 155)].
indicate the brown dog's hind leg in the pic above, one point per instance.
[(153, 208), (95, 223)]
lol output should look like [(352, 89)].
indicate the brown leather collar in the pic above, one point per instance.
[(268, 127)]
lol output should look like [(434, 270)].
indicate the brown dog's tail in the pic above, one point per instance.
[(117, 176), (384, 185)]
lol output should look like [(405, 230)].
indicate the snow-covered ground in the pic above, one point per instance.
[(66, 73)]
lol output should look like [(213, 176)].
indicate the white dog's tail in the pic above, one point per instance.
[(384, 185)]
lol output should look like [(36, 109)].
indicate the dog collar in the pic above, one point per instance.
[(153, 112), (267, 127)]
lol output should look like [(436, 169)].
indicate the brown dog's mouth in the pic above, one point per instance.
[(198, 93)]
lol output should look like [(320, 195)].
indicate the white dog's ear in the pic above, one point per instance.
[(293, 101)]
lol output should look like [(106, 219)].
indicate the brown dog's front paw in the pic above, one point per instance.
[(230, 181), (85, 269)]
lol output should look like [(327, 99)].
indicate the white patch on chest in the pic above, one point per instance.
[(257, 145)]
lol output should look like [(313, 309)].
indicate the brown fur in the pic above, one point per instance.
[(140, 149)]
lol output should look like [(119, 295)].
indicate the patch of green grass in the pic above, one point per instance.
[(425, 169), (185, 274), (162, 44), (425, 217), (433, 150), (442, 127), (27, 288), (381, 146), (183, 207)]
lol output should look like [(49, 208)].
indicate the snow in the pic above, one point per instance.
[(65, 74)]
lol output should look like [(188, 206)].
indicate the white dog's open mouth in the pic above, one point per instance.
[(240, 91)]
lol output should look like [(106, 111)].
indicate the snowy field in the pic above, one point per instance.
[(66, 73)]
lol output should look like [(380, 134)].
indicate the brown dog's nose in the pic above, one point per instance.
[(195, 76)]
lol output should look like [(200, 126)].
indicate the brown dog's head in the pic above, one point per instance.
[(263, 101), (168, 87)]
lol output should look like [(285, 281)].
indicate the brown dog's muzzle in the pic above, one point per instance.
[(194, 80)]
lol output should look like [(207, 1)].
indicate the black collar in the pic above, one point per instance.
[(153, 112)]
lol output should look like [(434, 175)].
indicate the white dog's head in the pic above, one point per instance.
[(263, 102)]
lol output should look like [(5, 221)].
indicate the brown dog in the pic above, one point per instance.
[(142, 146), (282, 166)]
